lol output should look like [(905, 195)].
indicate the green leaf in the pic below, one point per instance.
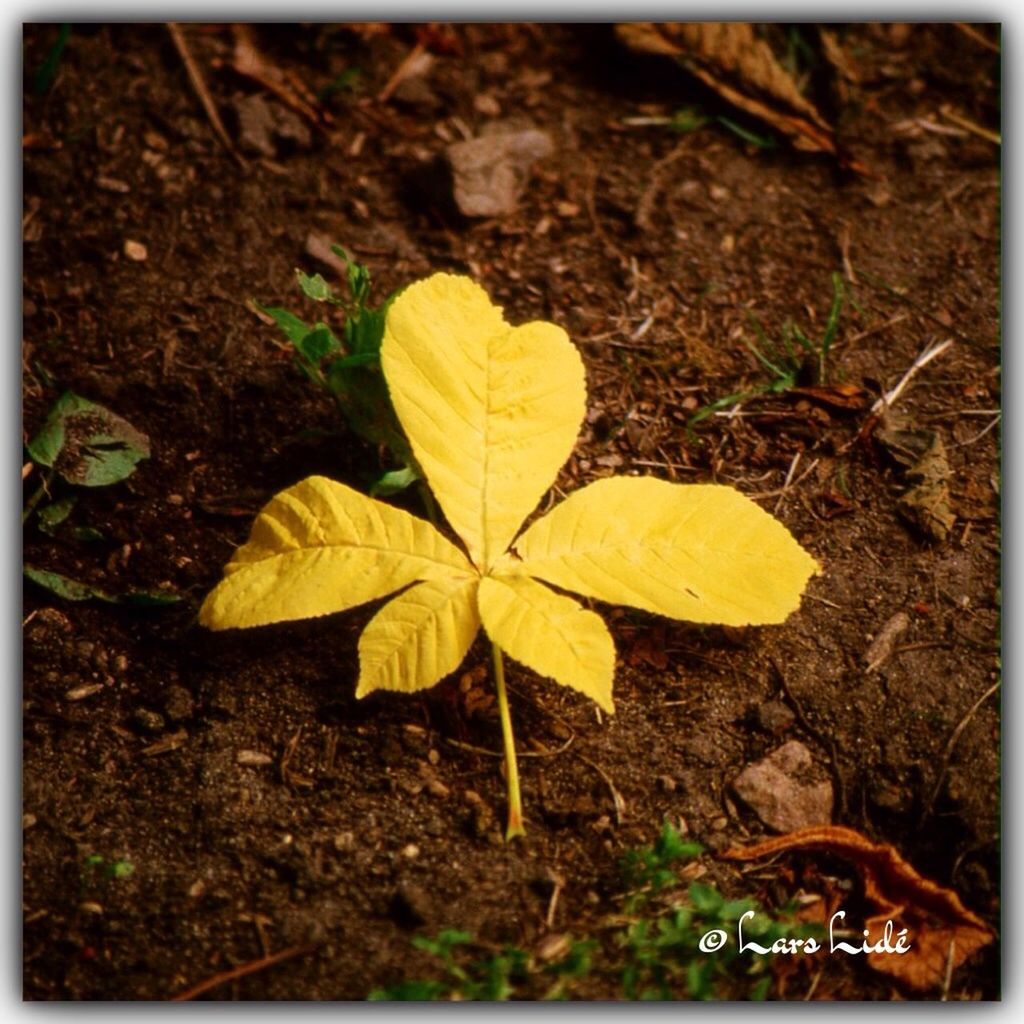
[(87, 444), (293, 328), (705, 899), (365, 402), (74, 590), (394, 482), (64, 586), (315, 287), (53, 515), (317, 344)]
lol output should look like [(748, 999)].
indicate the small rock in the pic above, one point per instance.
[(28, 820), (81, 692), (265, 127), (490, 172), (667, 783), (109, 184), (779, 791), (178, 703), (774, 717), (253, 758), (344, 841), (435, 787), (148, 721), (120, 665), (135, 251), (882, 646), (411, 852)]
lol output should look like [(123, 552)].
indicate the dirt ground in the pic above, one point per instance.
[(368, 823)]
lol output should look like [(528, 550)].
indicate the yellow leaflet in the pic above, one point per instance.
[(320, 547), (550, 634), (491, 411), (417, 638), (700, 552)]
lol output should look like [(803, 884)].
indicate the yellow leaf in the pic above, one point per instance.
[(550, 634), (320, 547), (491, 411), (701, 552), (419, 637)]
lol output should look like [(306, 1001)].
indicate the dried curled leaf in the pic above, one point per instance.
[(940, 928), (731, 60)]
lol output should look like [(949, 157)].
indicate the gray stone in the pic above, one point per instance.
[(490, 172), (785, 790)]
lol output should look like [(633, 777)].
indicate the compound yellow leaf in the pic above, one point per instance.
[(700, 552), (320, 547), (491, 411), (551, 634), (419, 637)]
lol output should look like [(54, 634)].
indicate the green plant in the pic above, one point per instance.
[(81, 445), (348, 368), (658, 945), (492, 412), (785, 361)]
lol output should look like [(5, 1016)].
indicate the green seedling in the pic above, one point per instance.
[(81, 445), (490, 431), (494, 978), (348, 367), (665, 943), (785, 362), (97, 869), (492, 412)]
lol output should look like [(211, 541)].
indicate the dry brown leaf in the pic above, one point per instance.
[(730, 59), (943, 933), (926, 502)]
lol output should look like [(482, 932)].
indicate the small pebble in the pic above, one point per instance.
[(81, 692), (412, 851), (135, 251), (178, 703), (147, 720), (253, 758)]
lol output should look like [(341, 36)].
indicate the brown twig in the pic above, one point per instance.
[(241, 971), (825, 741), (401, 71), (950, 746), (617, 799), (195, 76)]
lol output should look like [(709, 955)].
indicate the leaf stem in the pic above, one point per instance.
[(515, 809)]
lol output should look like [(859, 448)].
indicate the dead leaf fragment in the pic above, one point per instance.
[(941, 930), (925, 504), (731, 60), (881, 647)]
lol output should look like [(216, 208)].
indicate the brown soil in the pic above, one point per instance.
[(232, 861)]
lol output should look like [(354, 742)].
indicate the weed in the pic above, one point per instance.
[(348, 368), (659, 947), (785, 361)]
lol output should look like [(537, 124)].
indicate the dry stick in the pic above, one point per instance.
[(972, 33), (889, 398), (950, 746), (826, 741), (195, 76), (240, 972), (400, 72), (617, 800)]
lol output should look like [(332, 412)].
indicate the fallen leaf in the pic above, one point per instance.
[(925, 503), (941, 930), (732, 61)]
